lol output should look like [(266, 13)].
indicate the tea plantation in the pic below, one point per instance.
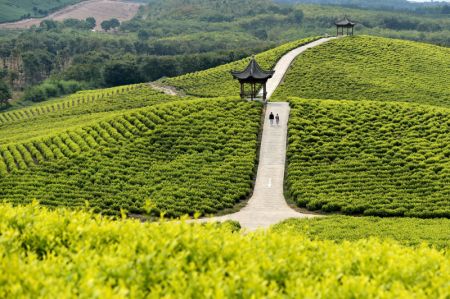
[(217, 82), (371, 68), (184, 157), (407, 231), (63, 253), (368, 157), (355, 147)]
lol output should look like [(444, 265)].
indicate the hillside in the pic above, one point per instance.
[(171, 38), (68, 164), (218, 81), (368, 157), (184, 157), (20, 9), (371, 68), (80, 255)]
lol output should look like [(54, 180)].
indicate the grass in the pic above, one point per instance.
[(407, 231), (371, 68), (368, 157), (73, 254)]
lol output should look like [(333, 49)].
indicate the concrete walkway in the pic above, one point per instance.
[(268, 205), (285, 62)]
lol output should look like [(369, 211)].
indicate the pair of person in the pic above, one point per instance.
[(272, 117)]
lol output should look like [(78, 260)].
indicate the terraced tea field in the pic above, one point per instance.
[(72, 112), (407, 231), (371, 68), (368, 157), (185, 157), (218, 82)]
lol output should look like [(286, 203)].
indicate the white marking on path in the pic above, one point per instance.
[(270, 183)]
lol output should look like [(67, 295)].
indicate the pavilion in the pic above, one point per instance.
[(254, 75), (346, 23)]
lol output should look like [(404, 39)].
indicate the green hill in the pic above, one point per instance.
[(369, 157), (218, 81), (117, 148), (74, 254), (371, 68), (120, 147), (19, 9)]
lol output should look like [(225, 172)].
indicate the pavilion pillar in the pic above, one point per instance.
[(254, 91), (264, 92), (242, 91)]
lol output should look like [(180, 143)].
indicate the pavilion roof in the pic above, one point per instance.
[(345, 22), (253, 71)]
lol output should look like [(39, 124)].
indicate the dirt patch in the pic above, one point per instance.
[(169, 90), (101, 10)]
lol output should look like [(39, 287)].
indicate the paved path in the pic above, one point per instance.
[(268, 205), (285, 62)]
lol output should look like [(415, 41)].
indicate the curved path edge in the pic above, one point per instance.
[(267, 206)]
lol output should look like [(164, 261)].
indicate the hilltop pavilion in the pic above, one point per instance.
[(345, 23), (254, 75)]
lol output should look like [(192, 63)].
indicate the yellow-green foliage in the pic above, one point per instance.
[(376, 158), (218, 81), (407, 231), (371, 68), (186, 156), (67, 254)]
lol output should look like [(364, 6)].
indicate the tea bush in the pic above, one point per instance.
[(68, 254), (371, 68), (408, 231), (218, 81), (186, 157), (368, 157)]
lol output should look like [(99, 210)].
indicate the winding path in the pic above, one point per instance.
[(268, 206)]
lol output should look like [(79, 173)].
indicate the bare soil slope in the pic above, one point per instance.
[(99, 9)]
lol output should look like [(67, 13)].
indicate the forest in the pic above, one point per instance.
[(21, 9), (171, 38)]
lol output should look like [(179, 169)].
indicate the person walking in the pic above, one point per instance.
[(271, 118), (277, 118)]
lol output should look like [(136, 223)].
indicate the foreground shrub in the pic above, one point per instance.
[(69, 254)]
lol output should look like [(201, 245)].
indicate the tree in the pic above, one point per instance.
[(106, 25), (48, 24), (143, 35), (445, 10), (5, 93), (297, 16), (91, 22), (121, 73), (114, 23)]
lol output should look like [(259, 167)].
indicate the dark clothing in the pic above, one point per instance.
[(271, 116)]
